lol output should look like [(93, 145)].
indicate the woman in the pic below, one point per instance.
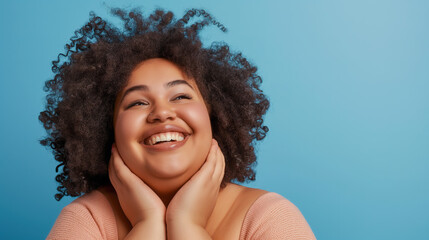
[(154, 128)]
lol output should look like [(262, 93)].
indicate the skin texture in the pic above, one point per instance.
[(163, 191)]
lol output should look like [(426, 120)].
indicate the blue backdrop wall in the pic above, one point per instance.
[(349, 123)]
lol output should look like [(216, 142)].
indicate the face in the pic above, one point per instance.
[(162, 125)]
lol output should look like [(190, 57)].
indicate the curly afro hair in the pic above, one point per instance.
[(80, 99)]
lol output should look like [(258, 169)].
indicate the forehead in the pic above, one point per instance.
[(156, 71)]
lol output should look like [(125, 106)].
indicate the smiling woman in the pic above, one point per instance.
[(154, 129), (162, 104)]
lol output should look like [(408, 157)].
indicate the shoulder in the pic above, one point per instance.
[(272, 216), (87, 217)]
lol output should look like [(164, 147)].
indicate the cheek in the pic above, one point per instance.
[(127, 127), (197, 116)]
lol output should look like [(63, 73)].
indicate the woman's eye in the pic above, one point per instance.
[(138, 103), (183, 96)]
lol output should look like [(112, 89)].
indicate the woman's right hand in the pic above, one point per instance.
[(139, 202)]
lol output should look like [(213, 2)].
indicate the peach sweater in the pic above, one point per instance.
[(270, 217)]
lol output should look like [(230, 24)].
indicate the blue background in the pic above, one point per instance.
[(349, 123)]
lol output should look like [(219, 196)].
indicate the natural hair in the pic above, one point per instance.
[(95, 67)]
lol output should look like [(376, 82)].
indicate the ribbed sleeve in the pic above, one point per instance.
[(273, 217), (88, 217)]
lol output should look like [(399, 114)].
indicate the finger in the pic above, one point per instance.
[(223, 163), (114, 163), (208, 166), (123, 174), (114, 179), (121, 171), (220, 166), (110, 166), (212, 158)]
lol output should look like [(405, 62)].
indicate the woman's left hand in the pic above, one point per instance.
[(193, 204)]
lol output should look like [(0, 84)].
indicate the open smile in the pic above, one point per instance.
[(165, 137), (161, 138), (166, 145)]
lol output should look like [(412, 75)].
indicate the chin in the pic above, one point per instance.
[(168, 171), (167, 175), (167, 184)]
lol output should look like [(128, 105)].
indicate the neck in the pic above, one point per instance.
[(167, 189), (166, 198)]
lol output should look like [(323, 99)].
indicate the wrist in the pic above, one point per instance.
[(178, 230), (149, 217), (149, 229), (152, 220)]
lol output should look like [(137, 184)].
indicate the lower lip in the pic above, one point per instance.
[(167, 146)]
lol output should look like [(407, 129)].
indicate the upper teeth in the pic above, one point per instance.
[(163, 137)]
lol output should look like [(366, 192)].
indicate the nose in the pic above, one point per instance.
[(161, 113)]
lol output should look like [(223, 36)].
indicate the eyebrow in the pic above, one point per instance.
[(178, 82), (145, 88)]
